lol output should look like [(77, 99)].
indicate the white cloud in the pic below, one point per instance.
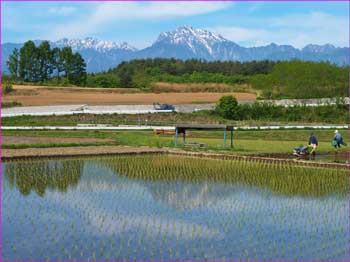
[(241, 34), (310, 20), (63, 10), (112, 13), (297, 30), (255, 6)]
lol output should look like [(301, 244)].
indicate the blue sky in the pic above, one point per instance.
[(139, 24)]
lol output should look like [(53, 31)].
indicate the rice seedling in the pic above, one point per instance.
[(172, 207)]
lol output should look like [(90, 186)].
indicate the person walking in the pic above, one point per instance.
[(313, 143), (338, 139)]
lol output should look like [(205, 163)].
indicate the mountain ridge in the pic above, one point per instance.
[(186, 42)]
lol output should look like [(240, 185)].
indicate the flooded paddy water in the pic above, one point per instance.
[(172, 207)]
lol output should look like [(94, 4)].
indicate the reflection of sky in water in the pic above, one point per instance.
[(111, 217)]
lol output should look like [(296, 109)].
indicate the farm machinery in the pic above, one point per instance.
[(158, 106)]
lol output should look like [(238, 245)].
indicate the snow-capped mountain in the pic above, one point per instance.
[(92, 43), (99, 55), (319, 48), (195, 39), (187, 42)]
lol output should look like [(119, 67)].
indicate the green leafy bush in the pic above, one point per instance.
[(227, 107), (7, 88)]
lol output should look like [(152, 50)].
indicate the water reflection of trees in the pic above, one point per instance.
[(279, 178), (44, 175)]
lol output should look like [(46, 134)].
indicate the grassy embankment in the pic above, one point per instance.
[(245, 142), (300, 116)]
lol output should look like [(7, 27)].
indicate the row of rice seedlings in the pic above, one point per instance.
[(281, 218), (162, 175), (281, 178)]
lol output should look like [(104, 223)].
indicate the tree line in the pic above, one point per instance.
[(140, 72), (270, 79), (179, 67), (300, 79), (42, 63), (228, 108)]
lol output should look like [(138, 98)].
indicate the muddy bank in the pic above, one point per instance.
[(83, 151), (16, 140), (27, 153), (336, 157)]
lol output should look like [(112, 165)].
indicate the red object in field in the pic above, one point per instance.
[(164, 132)]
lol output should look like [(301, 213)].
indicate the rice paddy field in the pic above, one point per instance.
[(167, 207)]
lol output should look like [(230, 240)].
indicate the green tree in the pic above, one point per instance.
[(28, 64), (125, 72), (66, 55), (56, 62), (41, 63), (77, 73), (227, 107), (13, 63), (46, 60)]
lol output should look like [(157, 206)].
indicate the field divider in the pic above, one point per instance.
[(258, 158), (93, 151), (152, 127)]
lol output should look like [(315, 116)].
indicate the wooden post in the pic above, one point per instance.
[(184, 136), (225, 137), (176, 134), (231, 138)]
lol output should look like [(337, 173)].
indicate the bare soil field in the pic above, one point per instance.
[(43, 96), (161, 87), (16, 140), (34, 89)]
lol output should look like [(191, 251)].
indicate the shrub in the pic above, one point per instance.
[(10, 104), (227, 107), (7, 88)]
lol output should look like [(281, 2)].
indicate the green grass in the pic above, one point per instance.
[(325, 135), (245, 142), (10, 104), (49, 145), (151, 119)]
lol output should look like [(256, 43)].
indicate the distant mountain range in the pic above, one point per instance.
[(184, 43)]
